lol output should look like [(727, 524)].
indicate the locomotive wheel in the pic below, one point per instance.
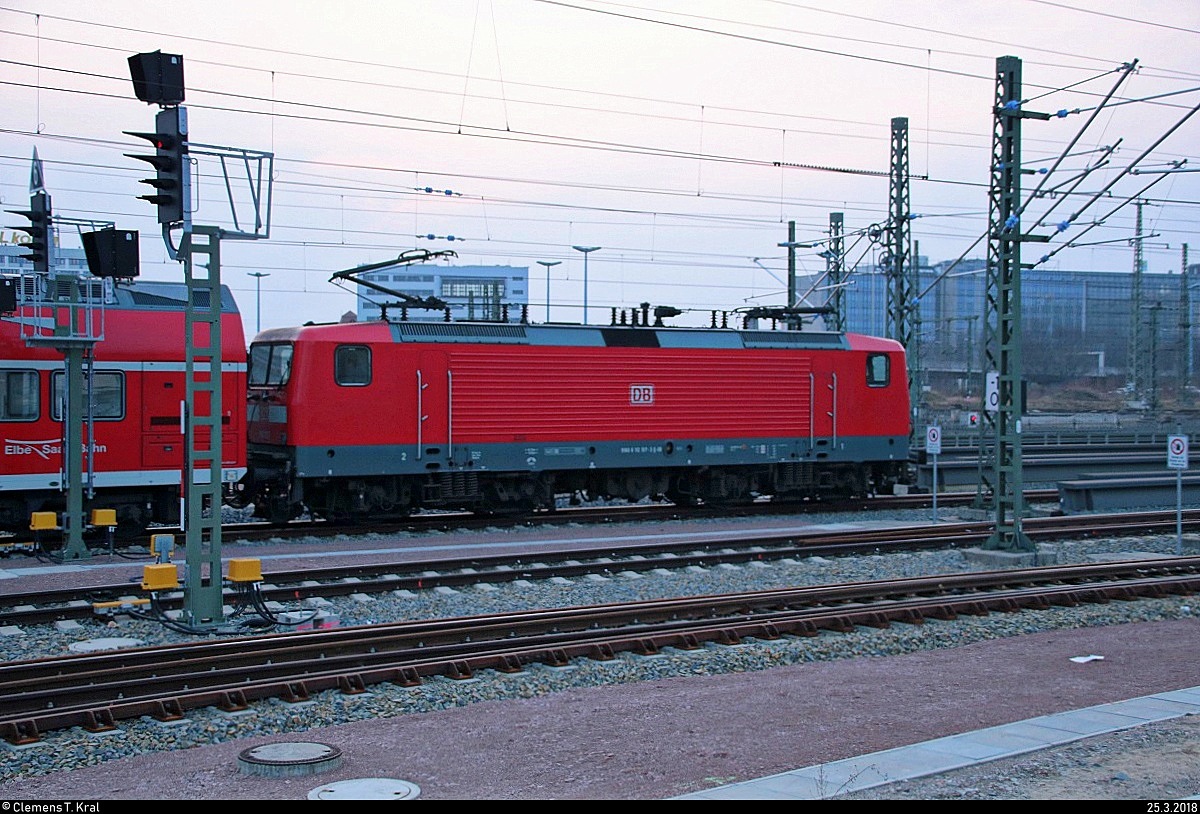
[(279, 511), (681, 490), (508, 498)]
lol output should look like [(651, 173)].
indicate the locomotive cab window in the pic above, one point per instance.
[(270, 364), (19, 395), (107, 395), (879, 370), (352, 365)]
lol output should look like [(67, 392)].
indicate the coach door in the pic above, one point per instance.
[(434, 385)]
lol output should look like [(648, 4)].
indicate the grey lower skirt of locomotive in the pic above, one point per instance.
[(280, 491)]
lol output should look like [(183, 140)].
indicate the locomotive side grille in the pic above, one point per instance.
[(29, 287), (793, 339), (797, 475), (629, 338), (33, 289), (449, 332), (451, 485), (144, 298)]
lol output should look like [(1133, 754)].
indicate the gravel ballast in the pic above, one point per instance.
[(61, 753)]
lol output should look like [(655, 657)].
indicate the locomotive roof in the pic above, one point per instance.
[(161, 294), (132, 294), (574, 335), (611, 336)]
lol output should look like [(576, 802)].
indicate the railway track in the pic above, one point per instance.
[(96, 691), (447, 521), (40, 607)]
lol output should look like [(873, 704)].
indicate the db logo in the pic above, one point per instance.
[(641, 395)]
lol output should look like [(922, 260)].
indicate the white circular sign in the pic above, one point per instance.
[(1177, 452), (933, 440)]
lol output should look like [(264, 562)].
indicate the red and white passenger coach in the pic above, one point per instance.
[(137, 383)]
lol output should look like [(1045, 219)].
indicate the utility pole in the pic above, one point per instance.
[(971, 320), (835, 274), (1185, 320), (1002, 401), (902, 307), (1152, 353), (1137, 369), (916, 388), (791, 249), (792, 321)]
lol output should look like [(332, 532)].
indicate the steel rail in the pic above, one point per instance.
[(38, 607), (96, 690)]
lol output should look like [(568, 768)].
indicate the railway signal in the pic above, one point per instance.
[(157, 78), (40, 218), (111, 253), (172, 181)]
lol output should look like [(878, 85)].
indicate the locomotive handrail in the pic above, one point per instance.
[(812, 406), (450, 416), (833, 413), (420, 415)]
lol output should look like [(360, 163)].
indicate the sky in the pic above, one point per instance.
[(679, 136)]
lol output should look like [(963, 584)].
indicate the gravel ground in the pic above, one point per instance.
[(647, 728), (1159, 762)]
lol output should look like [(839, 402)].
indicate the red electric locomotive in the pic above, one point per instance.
[(137, 383), (374, 418)]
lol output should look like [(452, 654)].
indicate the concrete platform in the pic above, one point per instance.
[(827, 780), (1116, 494)]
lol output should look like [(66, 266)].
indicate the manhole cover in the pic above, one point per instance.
[(289, 759), (367, 788), (104, 644)]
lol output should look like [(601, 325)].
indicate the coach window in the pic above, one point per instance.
[(270, 364), (108, 395), (879, 370), (352, 365), (19, 395)]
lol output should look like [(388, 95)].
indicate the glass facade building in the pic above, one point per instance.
[(492, 293), (11, 262), (1074, 323)]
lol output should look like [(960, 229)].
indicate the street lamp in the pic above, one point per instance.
[(258, 275), (586, 251), (548, 264)]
